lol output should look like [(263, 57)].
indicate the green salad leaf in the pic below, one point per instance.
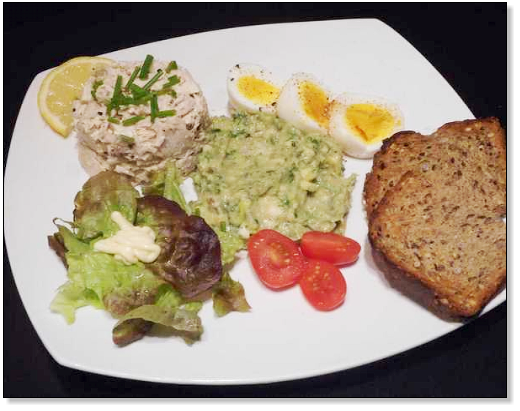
[(100, 280), (166, 183), (70, 297), (228, 295), (172, 191), (102, 194), (103, 274)]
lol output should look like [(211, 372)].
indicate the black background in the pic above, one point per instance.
[(466, 43)]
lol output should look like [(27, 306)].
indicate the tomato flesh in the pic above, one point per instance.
[(323, 285), (277, 260), (333, 248)]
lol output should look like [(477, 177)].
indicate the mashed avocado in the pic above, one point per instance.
[(257, 171)]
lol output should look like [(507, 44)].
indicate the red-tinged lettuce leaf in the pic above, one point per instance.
[(55, 242), (228, 295), (127, 297), (102, 194), (130, 330), (190, 256), (169, 311)]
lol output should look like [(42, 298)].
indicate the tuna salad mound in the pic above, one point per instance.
[(133, 117)]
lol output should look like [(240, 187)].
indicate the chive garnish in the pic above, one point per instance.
[(223, 226), (140, 95), (146, 67), (132, 77), (161, 92), (142, 100), (171, 92), (171, 66), (125, 100), (153, 80), (154, 107), (172, 81), (117, 87), (137, 91), (115, 100), (95, 86), (126, 139), (166, 113), (132, 120)]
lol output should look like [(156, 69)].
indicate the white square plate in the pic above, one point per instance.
[(282, 337)]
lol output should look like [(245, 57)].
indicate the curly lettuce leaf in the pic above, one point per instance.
[(98, 279), (103, 274), (102, 194), (129, 292), (69, 241), (70, 297), (190, 250), (169, 311), (228, 295)]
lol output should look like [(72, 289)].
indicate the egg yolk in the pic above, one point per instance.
[(370, 122), (315, 103), (258, 91)]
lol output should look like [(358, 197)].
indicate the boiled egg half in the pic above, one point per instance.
[(304, 102), (360, 123), (252, 88)]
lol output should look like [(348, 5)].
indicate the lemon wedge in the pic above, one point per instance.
[(62, 86)]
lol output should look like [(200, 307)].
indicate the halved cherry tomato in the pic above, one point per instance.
[(276, 259), (330, 247), (323, 285)]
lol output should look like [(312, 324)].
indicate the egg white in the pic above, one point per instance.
[(238, 101), (349, 140), (290, 107)]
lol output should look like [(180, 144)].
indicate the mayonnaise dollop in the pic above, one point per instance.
[(130, 244)]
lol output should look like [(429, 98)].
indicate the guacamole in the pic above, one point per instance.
[(257, 171)]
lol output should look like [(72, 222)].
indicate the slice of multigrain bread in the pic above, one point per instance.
[(443, 249), (437, 232), (475, 145)]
